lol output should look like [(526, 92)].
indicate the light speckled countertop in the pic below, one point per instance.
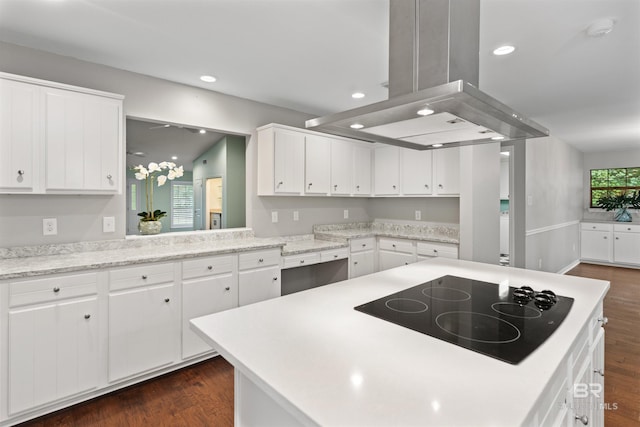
[(433, 232), (308, 243)]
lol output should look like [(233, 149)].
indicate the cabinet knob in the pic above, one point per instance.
[(335, 256), (261, 260), (87, 316), (355, 262), (628, 228), (394, 245), (440, 186), (227, 288), (109, 177), (605, 237), (275, 279), (301, 261), (426, 186), (20, 172), (594, 227), (144, 277), (209, 267), (167, 299), (435, 251), (310, 184), (56, 289), (583, 419), (280, 183), (599, 372), (394, 187), (364, 245), (604, 320), (358, 187), (335, 187)]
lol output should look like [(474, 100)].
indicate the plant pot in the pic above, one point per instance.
[(622, 215), (149, 227)]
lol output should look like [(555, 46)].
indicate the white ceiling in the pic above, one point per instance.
[(310, 55)]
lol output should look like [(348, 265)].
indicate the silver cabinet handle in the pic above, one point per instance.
[(310, 184), (87, 316), (280, 183), (335, 256), (605, 237), (144, 277), (583, 419), (355, 262), (261, 260), (301, 261), (604, 320), (109, 176), (275, 279), (335, 187), (167, 299), (440, 186), (628, 228), (227, 288), (594, 227), (426, 186), (394, 245), (394, 187), (599, 372), (617, 238), (56, 289), (20, 172), (358, 187), (364, 245), (209, 267)]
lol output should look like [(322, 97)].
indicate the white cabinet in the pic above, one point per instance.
[(53, 344), (59, 139), (259, 276), (209, 285), (144, 321), (361, 184), (416, 171), (19, 135), (280, 161), (626, 244), (318, 154), (427, 250), (82, 137), (395, 253), (386, 171), (596, 242), (362, 256), (341, 167), (446, 165)]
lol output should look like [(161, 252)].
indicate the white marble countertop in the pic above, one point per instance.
[(432, 232), (337, 366), (308, 243)]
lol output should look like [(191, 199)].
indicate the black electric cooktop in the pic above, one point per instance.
[(506, 323)]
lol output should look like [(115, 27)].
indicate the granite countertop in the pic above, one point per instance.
[(309, 243), (36, 261), (432, 232)]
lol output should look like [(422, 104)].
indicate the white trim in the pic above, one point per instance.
[(552, 227), (566, 268)]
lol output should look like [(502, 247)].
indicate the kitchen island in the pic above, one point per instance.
[(310, 359)]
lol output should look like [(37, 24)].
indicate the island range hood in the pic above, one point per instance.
[(433, 77)]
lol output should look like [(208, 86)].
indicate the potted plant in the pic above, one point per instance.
[(150, 219), (620, 203)]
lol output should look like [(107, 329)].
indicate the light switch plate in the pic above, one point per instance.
[(49, 227), (274, 216), (346, 214), (418, 215), (108, 224), (296, 216)]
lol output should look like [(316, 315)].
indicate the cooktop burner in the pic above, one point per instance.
[(507, 324)]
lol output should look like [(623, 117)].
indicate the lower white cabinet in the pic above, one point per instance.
[(143, 323), (395, 253), (626, 243), (259, 276), (52, 340), (596, 242), (427, 250), (362, 256)]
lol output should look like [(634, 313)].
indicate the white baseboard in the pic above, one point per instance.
[(564, 269)]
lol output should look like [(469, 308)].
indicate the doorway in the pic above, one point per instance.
[(505, 205), (135, 204), (213, 196)]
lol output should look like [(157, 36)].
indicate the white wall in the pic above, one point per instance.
[(554, 190)]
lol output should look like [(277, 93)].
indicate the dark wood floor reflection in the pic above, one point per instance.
[(622, 342), (197, 396)]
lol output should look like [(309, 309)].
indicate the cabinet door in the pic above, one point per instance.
[(341, 167), (258, 285), (626, 248), (317, 164), (417, 172), (18, 135), (288, 161), (597, 369), (596, 245), (446, 163), (361, 184), (142, 330), (389, 260), (361, 263), (201, 297), (82, 140), (387, 171), (53, 352)]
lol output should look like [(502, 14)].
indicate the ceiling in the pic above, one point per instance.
[(310, 55)]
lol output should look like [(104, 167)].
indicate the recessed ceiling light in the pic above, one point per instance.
[(505, 153), (424, 112), (139, 153), (202, 131), (504, 50), (357, 95), (356, 126), (436, 145), (208, 79), (174, 157), (600, 28), (497, 138)]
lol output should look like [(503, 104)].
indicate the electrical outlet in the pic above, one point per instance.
[(540, 263), (108, 224), (49, 227), (418, 215), (345, 214), (530, 200), (274, 216), (296, 215)]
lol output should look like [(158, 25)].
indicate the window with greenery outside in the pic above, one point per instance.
[(616, 189)]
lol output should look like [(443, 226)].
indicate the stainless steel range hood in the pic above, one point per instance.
[(433, 66)]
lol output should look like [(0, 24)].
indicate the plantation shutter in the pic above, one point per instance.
[(181, 204)]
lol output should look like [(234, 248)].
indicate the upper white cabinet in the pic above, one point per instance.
[(341, 167), (386, 169), (280, 161), (316, 164), (446, 165), (19, 137), (361, 183), (59, 139), (417, 171)]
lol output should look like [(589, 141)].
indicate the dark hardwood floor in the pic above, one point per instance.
[(202, 395), (622, 342)]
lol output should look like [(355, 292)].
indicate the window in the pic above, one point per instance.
[(605, 182), (181, 204)]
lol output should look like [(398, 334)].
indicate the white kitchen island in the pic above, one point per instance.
[(310, 359)]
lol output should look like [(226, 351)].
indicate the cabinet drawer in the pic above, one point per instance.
[(52, 288), (300, 260), (626, 228), (132, 277), (596, 321), (580, 351), (259, 259), (396, 245), (445, 250), (333, 254), (365, 244), (209, 266), (596, 226)]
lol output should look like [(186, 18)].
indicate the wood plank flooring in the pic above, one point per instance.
[(202, 395)]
